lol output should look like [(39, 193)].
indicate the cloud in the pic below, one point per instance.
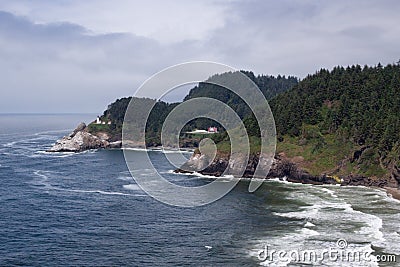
[(78, 56), (299, 37), (62, 67), (163, 21)]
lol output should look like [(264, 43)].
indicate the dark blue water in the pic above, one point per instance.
[(86, 210)]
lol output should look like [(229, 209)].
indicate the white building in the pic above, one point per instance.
[(98, 121), (212, 130)]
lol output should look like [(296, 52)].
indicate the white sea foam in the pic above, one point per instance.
[(53, 131), (125, 178), (308, 232), (43, 153), (282, 180), (95, 191), (372, 229), (174, 151), (47, 186), (59, 154), (373, 223), (133, 187), (390, 198), (169, 172), (336, 211), (134, 149), (26, 141), (197, 174), (40, 174), (304, 213), (309, 224), (10, 144), (329, 191)]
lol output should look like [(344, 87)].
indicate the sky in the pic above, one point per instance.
[(73, 56)]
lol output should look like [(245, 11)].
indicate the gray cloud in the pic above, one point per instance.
[(299, 37), (48, 65), (64, 68)]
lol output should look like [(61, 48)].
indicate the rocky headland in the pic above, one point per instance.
[(284, 168), (81, 139)]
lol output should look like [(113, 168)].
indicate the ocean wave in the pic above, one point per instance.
[(305, 212), (53, 131), (125, 178), (27, 141), (175, 151), (47, 186), (44, 153), (135, 149), (308, 232), (327, 209), (309, 224), (133, 187), (329, 191), (372, 229), (94, 191), (164, 151)]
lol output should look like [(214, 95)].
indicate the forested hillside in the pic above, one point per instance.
[(116, 113), (338, 122), (348, 113), (269, 85)]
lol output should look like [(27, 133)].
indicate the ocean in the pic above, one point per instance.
[(85, 209)]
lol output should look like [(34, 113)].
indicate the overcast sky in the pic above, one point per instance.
[(79, 56)]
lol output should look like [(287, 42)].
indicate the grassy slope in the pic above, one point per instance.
[(326, 155)]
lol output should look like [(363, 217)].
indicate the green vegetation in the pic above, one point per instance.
[(317, 155), (95, 128), (348, 113), (335, 122), (269, 85)]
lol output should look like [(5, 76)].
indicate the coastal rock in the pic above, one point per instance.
[(197, 162), (395, 176), (116, 144), (79, 140), (80, 127), (280, 168)]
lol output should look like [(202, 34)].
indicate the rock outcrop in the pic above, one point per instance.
[(281, 167), (80, 139)]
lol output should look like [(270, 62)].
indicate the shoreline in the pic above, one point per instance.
[(393, 192), (81, 140), (390, 191)]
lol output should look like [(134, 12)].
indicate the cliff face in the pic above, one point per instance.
[(281, 167), (80, 139)]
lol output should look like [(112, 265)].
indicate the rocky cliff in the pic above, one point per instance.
[(80, 139), (282, 167)]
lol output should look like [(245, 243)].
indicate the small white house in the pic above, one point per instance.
[(98, 121), (212, 130)]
